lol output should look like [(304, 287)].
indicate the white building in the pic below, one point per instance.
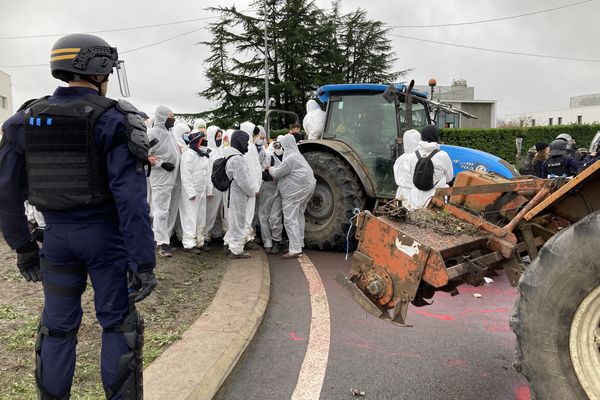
[(461, 96), (5, 97), (582, 110)]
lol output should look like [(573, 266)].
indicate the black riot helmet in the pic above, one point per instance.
[(77, 56), (558, 147)]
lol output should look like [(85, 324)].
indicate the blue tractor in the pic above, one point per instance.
[(353, 160)]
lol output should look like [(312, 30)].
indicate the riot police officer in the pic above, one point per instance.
[(79, 157), (559, 163)]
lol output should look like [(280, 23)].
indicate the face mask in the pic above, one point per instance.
[(169, 123), (279, 152), (259, 141), (219, 142)]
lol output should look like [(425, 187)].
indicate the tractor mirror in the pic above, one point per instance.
[(391, 93)]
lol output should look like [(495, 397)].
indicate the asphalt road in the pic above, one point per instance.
[(458, 348)]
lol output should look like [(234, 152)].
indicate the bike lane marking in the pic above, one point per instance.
[(314, 366)]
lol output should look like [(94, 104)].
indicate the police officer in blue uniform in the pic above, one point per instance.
[(559, 162), (80, 158)]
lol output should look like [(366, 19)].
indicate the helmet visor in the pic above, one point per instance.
[(122, 76)]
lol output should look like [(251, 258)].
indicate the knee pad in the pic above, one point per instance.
[(43, 394), (129, 383)]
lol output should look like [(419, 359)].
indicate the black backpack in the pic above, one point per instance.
[(218, 176), (423, 175)]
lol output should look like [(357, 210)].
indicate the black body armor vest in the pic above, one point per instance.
[(65, 167), (556, 166)]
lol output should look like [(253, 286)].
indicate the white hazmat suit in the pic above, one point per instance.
[(314, 121), (181, 131), (296, 184), (162, 181), (443, 173), (240, 192), (255, 175), (269, 204), (214, 202), (195, 184), (402, 174)]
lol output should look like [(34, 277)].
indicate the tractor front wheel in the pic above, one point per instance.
[(337, 194)]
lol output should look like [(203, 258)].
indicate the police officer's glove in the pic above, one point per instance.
[(37, 234), (142, 284), (266, 176), (28, 262), (167, 166)]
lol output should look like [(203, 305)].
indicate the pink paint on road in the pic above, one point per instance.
[(295, 337), (522, 392), (462, 314), (443, 317)]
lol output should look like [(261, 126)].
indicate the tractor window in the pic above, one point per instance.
[(368, 124), (419, 116)]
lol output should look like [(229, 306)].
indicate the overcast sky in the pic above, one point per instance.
[(172, 73)]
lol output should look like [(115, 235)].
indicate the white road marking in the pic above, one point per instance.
[(314, 366)]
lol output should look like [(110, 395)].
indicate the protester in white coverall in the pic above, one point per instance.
[(269, 202), (443, 169), (296, 185), (199, 126), (195, 184), (255, 174), (181, 132), (402, 174), (240, 192), (214, 201), (165, 157), (314, 121)]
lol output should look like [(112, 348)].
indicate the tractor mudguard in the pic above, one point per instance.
[(346, 153)]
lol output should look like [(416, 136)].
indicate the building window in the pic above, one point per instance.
[(532, 122), (550, 121), (579, 119), (3, 102), (559, 121)]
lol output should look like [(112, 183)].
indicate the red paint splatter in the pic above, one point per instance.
[(443, 317), (488, 291), (522, 392), (463, 313), (295, 337)]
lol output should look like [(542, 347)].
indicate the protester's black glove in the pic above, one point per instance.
[(266, 176), (28, 262), (142, 283), (167, 166)]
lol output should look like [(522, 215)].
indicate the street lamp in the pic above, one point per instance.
[(266, 70)]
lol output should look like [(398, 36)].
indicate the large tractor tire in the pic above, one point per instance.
[(557, 316), (337, 194)]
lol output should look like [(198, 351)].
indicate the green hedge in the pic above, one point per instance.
[(501, 141)]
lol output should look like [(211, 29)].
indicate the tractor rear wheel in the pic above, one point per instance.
[(557, 316), (337, 194)]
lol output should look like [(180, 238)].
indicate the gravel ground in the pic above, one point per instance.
[(187, 285)]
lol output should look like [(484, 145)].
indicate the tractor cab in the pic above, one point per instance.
[(359, 116)]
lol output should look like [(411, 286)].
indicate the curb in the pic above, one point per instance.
[(196, 366)]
